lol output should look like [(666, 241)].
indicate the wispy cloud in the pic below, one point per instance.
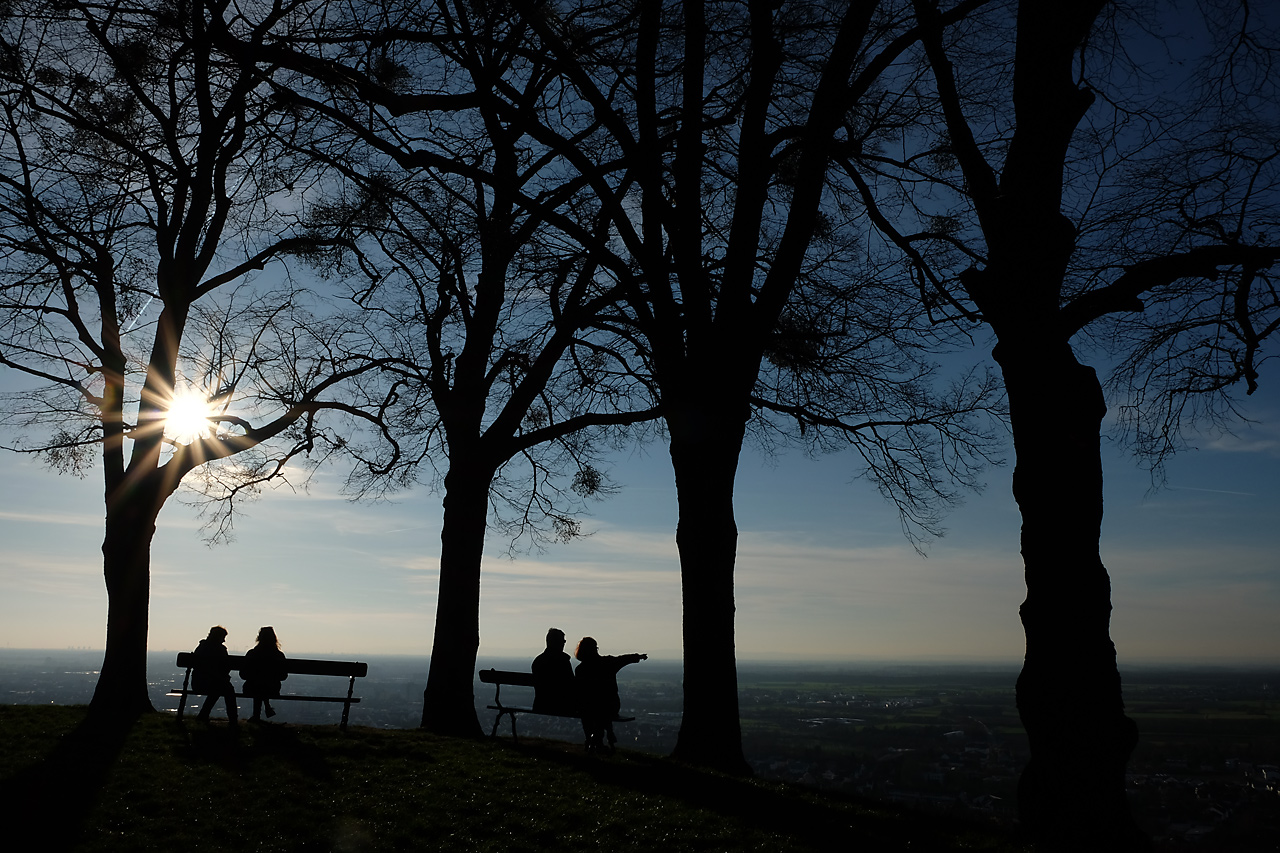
[(1146, 570), (1263, 438), (53, 576), (53, 518)]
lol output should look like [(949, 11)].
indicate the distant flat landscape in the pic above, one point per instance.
[(943, 737)]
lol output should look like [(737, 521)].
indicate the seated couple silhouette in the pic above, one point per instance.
[(263, 670), (590, 692)]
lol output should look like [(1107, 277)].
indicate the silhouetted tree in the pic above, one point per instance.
[(681, 153), (705, 132), (507, 381), (502, 379), (1015, 207), (143, 183)]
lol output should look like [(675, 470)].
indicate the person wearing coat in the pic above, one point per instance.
[(263, 670), (554, 690), (211, 674), (597, 681)]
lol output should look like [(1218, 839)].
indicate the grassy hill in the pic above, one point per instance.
[(313, 788)]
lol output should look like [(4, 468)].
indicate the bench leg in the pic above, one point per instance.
[(182, 702), (346, 706), (498, 721)]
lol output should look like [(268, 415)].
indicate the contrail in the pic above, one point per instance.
[(138, 316), (1215, 491)]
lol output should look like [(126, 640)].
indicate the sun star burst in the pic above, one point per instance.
[(188, 418)]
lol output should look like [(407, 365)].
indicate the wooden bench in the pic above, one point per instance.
[(499, 677), (293, 666)]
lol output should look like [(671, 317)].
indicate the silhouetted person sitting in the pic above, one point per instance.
[(263, 670), (211, 674), (554, 687), (597, 680)]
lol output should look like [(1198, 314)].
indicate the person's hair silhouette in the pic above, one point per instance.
[(263, 670), (597, 681), (211, 674)]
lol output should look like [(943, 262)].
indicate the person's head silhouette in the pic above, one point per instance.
[(217, 633), (587, 648), (555, 639), (267, 637)]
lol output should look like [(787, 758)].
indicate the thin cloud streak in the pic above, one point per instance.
[(55, 577), (53, 518)]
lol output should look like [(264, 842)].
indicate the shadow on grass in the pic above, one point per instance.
[(58, 793), (285, 743), (818, 818), (235, 749)]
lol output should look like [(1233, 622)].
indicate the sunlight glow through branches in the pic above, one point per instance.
[(188, 417)]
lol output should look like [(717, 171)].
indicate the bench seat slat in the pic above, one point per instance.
[(498, 676), (353, 700), (509, 709), (295, 666)]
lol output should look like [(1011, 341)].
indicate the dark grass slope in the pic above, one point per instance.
[(167, 787)]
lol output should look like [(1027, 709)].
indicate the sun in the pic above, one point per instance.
[(188, 418)]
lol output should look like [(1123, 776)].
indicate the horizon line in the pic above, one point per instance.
[(669, 657)]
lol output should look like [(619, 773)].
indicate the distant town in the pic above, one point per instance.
[(941, 737)]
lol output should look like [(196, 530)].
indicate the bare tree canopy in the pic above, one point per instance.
[(144, 182), (705, 132), (677, 154), (508, 383)]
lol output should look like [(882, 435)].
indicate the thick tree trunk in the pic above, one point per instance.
[(704, 453), (1071, 795), (448, 703), (121, 692)]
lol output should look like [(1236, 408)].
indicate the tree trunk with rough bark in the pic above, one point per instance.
[(121, 691), (705, 446), (1071, 795), (448, 703)]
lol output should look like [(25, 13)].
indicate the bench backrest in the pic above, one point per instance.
[(500, 676), (294, 666)]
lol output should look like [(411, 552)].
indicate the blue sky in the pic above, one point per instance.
[(823, 569)]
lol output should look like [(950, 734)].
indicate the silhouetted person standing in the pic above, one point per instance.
[(211, 674), (554, 687), (597, 680), (263, 670)]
